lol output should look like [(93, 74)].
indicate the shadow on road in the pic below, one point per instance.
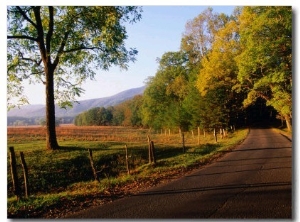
[(249, 159), (261, 149), (240, 171), (214, 188)]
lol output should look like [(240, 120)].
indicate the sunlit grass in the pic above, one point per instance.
[(66, 174)]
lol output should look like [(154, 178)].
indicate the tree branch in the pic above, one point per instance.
[(22, 37), (37, 63), (50, 32), (37, 73), (26, 17), (262, 95), (40, 38), (38, 76), (81, 48), (32, 60), (61, 48)]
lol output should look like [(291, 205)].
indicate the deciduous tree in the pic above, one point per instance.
[(165, 93), (61, 47), (199, 34), (218, 75)]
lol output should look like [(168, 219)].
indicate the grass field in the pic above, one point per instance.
[(61, 181)]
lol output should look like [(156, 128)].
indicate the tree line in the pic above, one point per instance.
[(28, 121), (230, 70), (127, 113)]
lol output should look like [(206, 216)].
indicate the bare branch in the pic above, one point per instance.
[(22, 37)]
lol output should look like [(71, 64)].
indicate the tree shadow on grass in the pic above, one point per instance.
[(81, 148), (169, 152), (206, 149), (77, 168)]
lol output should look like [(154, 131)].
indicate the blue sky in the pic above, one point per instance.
[(159, 31)]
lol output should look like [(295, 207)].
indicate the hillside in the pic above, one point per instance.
[(30, 111)]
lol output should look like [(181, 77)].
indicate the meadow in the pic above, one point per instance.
[(62, 181)]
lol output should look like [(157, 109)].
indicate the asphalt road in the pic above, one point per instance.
[(252, 181)]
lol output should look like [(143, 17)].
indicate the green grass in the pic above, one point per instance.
[(65, 175)]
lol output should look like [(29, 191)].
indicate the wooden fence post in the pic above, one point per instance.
[(127, 163), (25, 174), (198, 135), (153, 152), (183, 142), (215, 135), (14, 174), (149, 149), (92, 165)]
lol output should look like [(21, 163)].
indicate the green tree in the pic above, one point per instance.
[(104, 117), (61, 47), (218, 75), (128, 113), (265, 64), (154, 105), (92, 117), (118, 115), (209, 41), (135, 106), (78, 120), (98, 116), (164, 95)]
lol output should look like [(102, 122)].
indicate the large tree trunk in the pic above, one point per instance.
[(51, 141), (288, 122)]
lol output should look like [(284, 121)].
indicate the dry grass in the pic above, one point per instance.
[(104, 134)]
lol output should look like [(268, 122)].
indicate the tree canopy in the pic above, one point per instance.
[(265, 64)]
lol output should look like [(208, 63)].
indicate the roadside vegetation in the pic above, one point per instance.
[(62, 181)]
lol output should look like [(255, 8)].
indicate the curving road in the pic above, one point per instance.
[(252, 181)]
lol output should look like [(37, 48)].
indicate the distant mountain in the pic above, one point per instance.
[(29, 111)]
